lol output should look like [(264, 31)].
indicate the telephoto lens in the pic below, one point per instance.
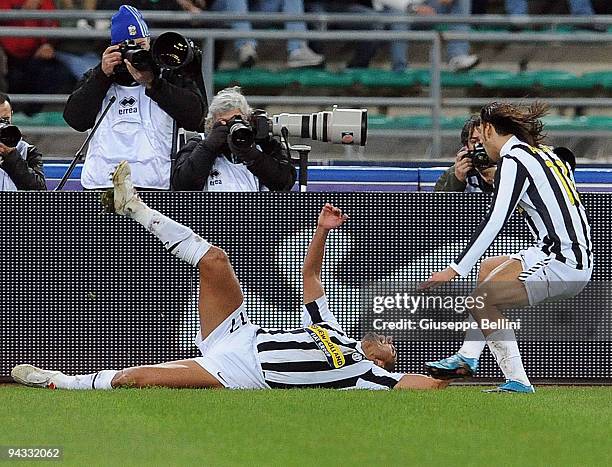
[(338, 126), (172, 50)]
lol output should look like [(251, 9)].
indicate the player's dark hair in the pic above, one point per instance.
[(468, 127), (523, 122), (373, 337), (5, 98)]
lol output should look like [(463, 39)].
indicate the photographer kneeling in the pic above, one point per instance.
[(232, 157), (149, 98), (473, 171), (21, 165)]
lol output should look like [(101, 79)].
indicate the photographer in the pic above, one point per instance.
[(139, 126), (21, 165), (473, 171), (230, 158)]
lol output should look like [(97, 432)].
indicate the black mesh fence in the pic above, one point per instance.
[(82, 291)]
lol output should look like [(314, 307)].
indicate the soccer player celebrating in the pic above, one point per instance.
[(235, 352), (558, 266)]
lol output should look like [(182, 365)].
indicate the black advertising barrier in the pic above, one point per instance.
[(81, 290)]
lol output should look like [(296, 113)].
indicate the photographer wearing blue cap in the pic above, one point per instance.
[(148, 99)]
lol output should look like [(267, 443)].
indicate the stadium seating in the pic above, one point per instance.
[(377, 122), (379, 78)]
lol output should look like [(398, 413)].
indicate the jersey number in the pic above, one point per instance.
[(236, 325), (560, 171)]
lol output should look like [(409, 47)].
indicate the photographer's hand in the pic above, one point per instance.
[(45, 52), (217, 138), (246, 155), (5, 150), (142, 77), (463, 165), (110, 59)]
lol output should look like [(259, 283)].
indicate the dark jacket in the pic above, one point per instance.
[(178, 96), (448, 181), (195, 160), (26, 174)]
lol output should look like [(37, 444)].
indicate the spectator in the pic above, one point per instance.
[(77, 56), (32, 64), (458, 52), (21, 166), (577, 7), (463, 175), (299, 54), (216, 164), (364, 51), (139, 126)]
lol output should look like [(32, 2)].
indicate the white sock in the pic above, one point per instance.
[(474, 342), (99, 380), (180, 240), (503, 346)]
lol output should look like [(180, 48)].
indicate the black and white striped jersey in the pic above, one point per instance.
[(543, 186), (319, 354)]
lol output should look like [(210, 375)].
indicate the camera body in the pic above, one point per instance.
[(140, 58), (479, 157), (256, 129), (9, 134)]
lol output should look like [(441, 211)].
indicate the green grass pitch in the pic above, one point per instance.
[(459, 426)]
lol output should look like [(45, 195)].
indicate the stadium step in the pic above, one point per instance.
[(378, 78), (54, 119)]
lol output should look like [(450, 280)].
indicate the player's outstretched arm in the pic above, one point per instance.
[(329, 218), (414, 381)]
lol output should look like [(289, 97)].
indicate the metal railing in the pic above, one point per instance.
[(434, 101)]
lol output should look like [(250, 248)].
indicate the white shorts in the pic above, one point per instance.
[(229, 353), (548, 279)]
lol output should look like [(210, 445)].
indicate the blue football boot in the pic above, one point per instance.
[(455, 366), (512, 386)]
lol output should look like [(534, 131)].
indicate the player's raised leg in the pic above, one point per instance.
[(464, 363), (220, 293)]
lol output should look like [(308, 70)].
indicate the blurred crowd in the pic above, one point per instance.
[(47, 66)]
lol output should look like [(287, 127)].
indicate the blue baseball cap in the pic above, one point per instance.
[(127, 24)]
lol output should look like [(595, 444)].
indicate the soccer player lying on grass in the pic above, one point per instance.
[(235, 352), (560, 263)]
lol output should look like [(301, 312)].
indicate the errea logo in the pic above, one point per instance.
[(128, 101), (213, 178), (128, 105)]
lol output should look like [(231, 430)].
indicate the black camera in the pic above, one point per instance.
[(9, 134), (173, 51), (479, 157), (245, 133), (241, 132), (140, 58)]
